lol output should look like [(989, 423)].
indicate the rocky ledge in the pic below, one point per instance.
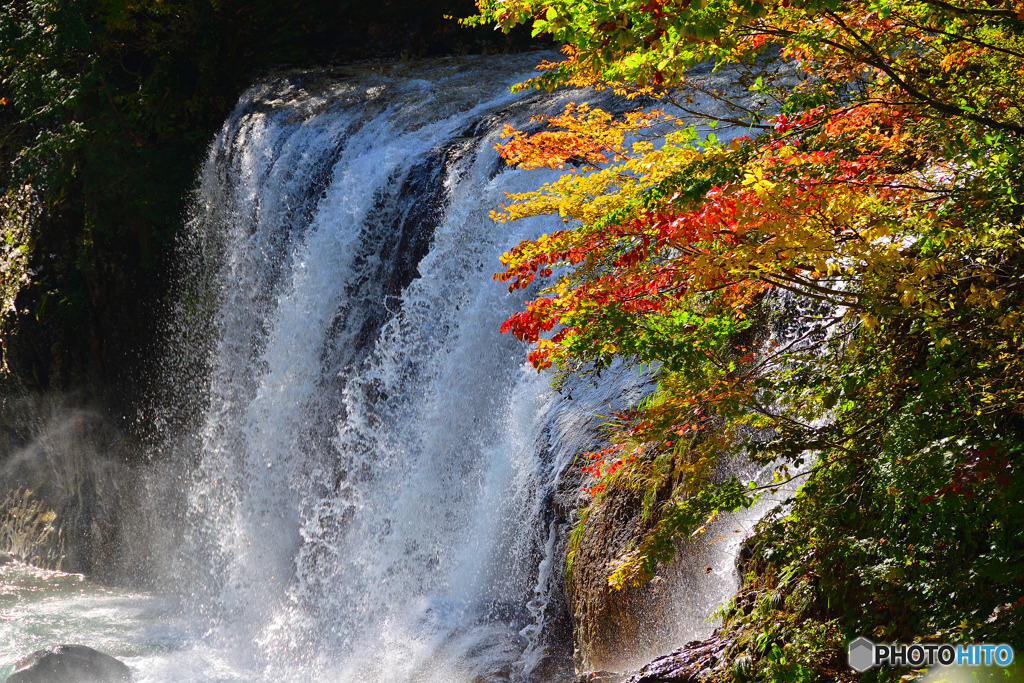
[(694, 662)]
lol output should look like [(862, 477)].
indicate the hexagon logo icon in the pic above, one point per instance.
[(861, 654)]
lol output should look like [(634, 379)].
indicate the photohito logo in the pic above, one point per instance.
[(863, 654)]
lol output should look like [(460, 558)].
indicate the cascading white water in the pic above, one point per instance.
[(368, 494), (365, 501)]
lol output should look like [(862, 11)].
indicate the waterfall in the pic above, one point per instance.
[(367, 468)]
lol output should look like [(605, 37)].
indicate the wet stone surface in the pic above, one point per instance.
[(694, 662), (69, 664)]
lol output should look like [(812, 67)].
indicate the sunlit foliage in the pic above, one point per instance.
[(835, 293)]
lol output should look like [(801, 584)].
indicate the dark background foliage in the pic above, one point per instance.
[(106, 107)]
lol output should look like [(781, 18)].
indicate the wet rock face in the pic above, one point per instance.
[(617, 630), (599, 677), (69, 664), (605, 621)]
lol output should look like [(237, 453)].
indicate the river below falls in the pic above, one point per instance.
[(40, 608)]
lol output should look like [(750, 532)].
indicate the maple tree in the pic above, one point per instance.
[(834, 293)]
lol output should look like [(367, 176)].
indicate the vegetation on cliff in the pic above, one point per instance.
[(835, 295)]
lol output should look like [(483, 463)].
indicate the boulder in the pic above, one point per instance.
[(69, 664), (695, 662)]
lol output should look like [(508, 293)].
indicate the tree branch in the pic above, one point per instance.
[(879, 62), (1000, 13), (141, 141)]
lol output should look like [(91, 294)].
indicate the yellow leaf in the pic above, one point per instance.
[(869, 321)]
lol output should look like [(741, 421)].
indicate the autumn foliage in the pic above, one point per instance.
[(832, 291)]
